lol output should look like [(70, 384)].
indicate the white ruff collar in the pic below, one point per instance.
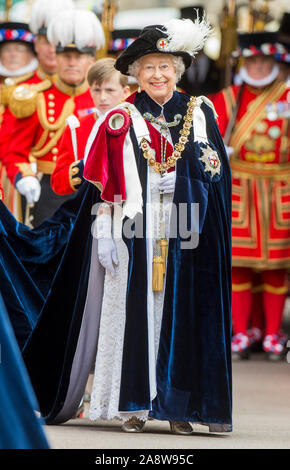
[(33, 64), (245, 77)]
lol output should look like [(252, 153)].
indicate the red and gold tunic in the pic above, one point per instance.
[(8, 121), (65, 175), (260, 167), (37, 136)]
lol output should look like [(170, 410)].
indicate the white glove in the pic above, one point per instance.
[(167, 182), (29, 187), (107, 254), (107, 251)]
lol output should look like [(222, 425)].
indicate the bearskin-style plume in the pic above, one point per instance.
[(79, 27), (43, 11)]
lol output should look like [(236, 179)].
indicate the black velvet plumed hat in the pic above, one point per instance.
[(179, 37)]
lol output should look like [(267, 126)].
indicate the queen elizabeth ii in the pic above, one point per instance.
[(159, 326), (170, 314)]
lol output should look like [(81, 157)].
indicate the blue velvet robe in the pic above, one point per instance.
[(19, 426), (29, 259), (194, 360)]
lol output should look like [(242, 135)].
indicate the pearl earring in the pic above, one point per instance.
[(139, 89)]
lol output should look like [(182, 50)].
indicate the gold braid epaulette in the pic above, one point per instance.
[(9, 85), (23, 100)]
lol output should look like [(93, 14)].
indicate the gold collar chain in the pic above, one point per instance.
[(148, 152)]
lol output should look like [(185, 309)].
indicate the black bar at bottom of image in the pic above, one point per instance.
[(128, 457)]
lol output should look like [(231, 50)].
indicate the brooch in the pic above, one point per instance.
[(211, 161), (162, 44)]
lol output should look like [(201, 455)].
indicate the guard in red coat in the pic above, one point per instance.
[(40, 15), (108, 88), (253, 121), (17, 64), (42, 110)]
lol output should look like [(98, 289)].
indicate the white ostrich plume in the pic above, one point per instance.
[(80, 27), (187, 35), (43, 11)]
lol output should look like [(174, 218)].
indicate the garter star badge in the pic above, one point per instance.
[(211, 161), (162, 44)]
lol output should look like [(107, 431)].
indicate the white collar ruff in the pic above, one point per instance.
[(33, 64), (245, 77)]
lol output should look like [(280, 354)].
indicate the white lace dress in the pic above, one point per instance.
[(108, 365)]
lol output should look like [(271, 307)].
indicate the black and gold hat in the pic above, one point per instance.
[(179, 37), (16, 32)]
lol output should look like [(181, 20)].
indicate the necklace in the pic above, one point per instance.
[(148, 152), (163, 124)]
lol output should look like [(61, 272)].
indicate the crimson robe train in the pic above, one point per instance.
[(193, 371)]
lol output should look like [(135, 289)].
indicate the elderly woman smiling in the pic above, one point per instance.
[(172, 304), (158, 74), (163, 239)]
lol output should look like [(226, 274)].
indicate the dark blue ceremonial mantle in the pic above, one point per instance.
[(19, 426), (194, 359), (29, 260)]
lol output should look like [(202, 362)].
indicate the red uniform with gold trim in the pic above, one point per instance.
[(37, 136), (8, 118), (260, 166), (8, 121), (66, 177), (261, 175)]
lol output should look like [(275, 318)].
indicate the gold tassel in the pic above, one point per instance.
[(163, 250), (158, 273)]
